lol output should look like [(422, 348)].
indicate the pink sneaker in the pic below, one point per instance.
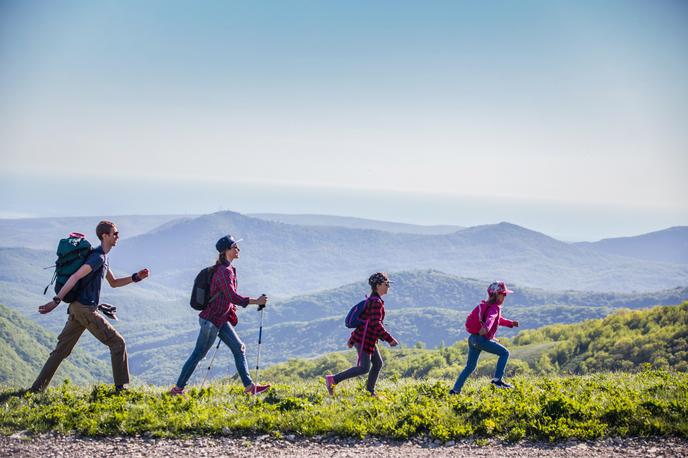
[(254, 389), (176, 391), (329, 383)]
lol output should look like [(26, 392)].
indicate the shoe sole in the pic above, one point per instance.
[(330, 387), (256, 393)]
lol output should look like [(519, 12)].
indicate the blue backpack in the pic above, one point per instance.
[(353, 318)]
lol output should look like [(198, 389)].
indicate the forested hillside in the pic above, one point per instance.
[(626, 340), (425, 306), (414, 388), (622, 341), (24, 348)]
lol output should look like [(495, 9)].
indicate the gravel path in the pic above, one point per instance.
[(53, 445)]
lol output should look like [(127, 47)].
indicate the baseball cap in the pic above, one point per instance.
[(226, 242)]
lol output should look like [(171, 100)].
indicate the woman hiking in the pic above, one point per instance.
[(365, 337), (482, 325), (219, 315)]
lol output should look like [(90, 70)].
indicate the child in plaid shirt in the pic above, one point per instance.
[(365, 337)]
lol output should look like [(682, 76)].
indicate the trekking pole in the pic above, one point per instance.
[(260, 338), (211, 362)]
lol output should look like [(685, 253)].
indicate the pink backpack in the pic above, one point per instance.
[(476, 319)]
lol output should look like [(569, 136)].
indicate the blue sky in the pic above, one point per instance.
[(567, 117)]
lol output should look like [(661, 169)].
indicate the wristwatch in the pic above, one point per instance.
[(57, 300)]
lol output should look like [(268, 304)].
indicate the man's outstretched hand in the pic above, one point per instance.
[(47, 308)]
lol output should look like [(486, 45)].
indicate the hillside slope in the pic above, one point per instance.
[(25, 346), (356, 223), (44, 233), (626, 340), (423, 306), (668, 245)]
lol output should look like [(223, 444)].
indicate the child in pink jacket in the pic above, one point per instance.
[(485, 319)]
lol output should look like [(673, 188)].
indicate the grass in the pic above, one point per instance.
[(650, 403)]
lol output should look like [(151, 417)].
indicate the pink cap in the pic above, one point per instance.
[(498, 287)]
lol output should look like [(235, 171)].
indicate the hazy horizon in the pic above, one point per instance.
[(562, 220), (563, 117)]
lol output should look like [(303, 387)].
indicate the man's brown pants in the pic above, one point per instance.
[(82, 317)]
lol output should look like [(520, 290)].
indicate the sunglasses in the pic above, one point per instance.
[(115, 234)]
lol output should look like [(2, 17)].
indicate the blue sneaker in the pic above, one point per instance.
[(499, 383)]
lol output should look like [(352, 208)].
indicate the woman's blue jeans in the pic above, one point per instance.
[(206, 339), (476, 344)]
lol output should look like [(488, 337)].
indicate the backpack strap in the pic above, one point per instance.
[(365, 331), (51, 281), (214, 296), (89, 276), (482, 317)]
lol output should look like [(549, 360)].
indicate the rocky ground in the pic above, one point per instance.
[(54, 445)]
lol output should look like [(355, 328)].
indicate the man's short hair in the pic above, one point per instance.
[(104, 227)]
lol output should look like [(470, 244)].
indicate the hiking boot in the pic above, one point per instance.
[(501, 383), (254, 389), (329, 383), (176, 391), (375, 395), (121, 389), (453, 393)]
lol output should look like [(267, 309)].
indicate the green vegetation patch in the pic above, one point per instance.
[(649, 403)]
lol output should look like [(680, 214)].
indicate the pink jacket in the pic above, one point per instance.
[(493, 319)]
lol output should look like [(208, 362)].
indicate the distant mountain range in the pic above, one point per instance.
[(669, 245), (303, 268), (356, 223), (287, 259), (43, 233), (315, 252)]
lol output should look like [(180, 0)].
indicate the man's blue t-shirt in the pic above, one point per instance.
[(89, 293)]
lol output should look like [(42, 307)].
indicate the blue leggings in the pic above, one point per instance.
[(476, 344)]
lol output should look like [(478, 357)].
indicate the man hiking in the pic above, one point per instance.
[(83, 312)]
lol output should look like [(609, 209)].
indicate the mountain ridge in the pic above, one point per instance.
[(290, 254), (666, 245)]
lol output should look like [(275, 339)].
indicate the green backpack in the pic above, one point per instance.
[(72, 253)]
